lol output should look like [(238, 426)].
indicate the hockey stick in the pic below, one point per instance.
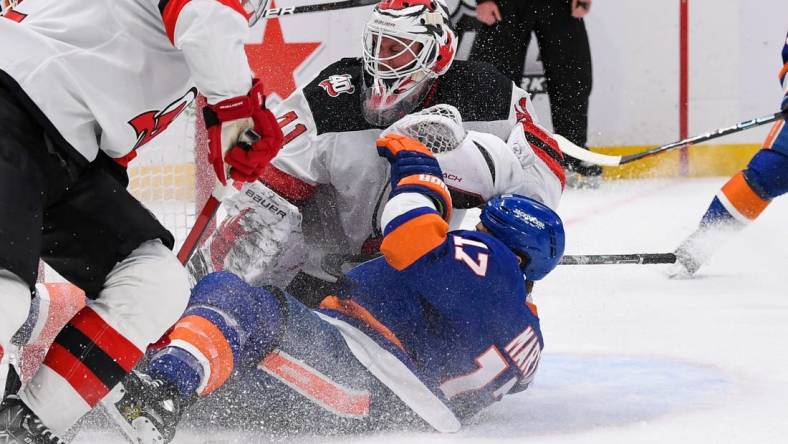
[(210, 208), (279, 12), (610, 259), (575, 151)]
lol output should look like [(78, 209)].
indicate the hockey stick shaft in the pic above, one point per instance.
[(611, 259), (280, 12), (579, 153), (198, 229)]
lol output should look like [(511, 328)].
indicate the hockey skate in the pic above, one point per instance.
[(583, 175), (146, 410), (687, 263), (18, 424)]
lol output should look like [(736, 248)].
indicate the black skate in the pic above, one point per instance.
[(147, 410), (19, 425), (582, 175)]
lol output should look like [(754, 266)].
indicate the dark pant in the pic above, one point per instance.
[(565, 53), (76, 216)]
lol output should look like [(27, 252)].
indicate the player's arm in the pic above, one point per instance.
[(261, 238), (537, 151), (415, 217), (211, 35), (301, 164)]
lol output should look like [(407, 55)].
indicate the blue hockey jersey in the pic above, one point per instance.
[(450, 307)]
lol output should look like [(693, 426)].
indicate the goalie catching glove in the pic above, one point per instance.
[(226, 121)]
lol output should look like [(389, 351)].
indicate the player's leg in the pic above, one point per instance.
[(566, 54), (29, 176), (257, 334), (739, 202), (103, 240), (226, 323), (504, 44)]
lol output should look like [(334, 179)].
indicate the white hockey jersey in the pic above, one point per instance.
[(330, 162), (112, 74)]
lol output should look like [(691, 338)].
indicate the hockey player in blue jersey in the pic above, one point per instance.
[(437, 329), (744, 197)]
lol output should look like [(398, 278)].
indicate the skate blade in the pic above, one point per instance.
[(139, 431)]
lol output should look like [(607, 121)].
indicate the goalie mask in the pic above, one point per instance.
[(406, 45), (254, 9)]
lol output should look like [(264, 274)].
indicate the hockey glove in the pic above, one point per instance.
[(415, 169), (226, 121), (407, 157)]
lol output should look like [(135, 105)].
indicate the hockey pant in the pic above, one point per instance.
[(260, 353)]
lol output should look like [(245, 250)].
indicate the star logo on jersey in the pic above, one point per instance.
[(150, 124), (336, 85), (275, 61)]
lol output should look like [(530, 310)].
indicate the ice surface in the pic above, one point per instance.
[(631, 356)]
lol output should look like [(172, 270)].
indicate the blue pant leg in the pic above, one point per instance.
[(310, 381)]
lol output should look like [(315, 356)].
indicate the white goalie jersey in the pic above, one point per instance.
[(331, 185), (112, 74)]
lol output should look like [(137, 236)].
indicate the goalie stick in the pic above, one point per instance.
[(579, 153), (280, 12), (611, 259), (210, 208)]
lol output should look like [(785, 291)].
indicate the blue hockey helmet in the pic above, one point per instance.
[(529, 228)]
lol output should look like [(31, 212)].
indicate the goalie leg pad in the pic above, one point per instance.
[(260, 240), (228, 326)]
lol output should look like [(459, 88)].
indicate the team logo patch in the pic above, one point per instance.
[(336, 85), (151, 123)]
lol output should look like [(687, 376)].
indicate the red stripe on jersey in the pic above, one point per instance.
[(125, 160), (78, 376), (114, 344), (172, 11), (291, 188), (546, 148), (554, 166)]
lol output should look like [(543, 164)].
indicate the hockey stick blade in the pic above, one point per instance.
[(281, 12), (579, 153), (613, 259)]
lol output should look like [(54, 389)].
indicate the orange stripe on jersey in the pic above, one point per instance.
[(772, 136), (396, 143), (434, 184), (532, 308), (413, 239), (172, 10), (209, 340), (783, 71), (355, 310), (316, 386), (743, 198)]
